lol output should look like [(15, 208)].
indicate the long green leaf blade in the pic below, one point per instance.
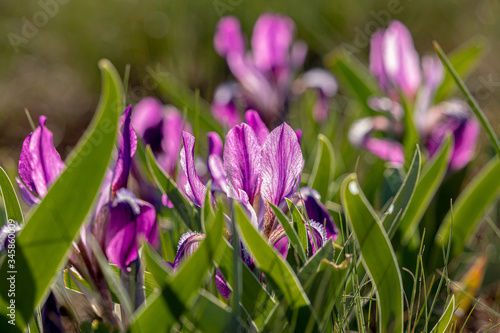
[(377, 255), (43, 244), (291, 234), (470, 207), (470, 99), (427, 186), (323, 171)]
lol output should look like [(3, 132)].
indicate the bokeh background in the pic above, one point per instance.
[(52, 69)]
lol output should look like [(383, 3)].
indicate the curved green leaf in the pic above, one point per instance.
[(179, 289), (402, 200), (377, 255), (470, 207), (323, 172), (444, 321), (278, 273), (43, 244), (10, 201), (432, 177), (208, 314), (291, 234)]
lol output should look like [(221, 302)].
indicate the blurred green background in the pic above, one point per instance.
[(52, 69)]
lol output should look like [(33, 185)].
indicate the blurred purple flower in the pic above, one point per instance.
[(264, 75), (39, 164), (394, 60)]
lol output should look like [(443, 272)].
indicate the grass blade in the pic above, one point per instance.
[(377, 255), (10, 201), (470, 99)]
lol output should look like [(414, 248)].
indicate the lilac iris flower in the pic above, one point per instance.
[(39, 164), (124, 221), (256, 168), (265, 74), (396, 65)]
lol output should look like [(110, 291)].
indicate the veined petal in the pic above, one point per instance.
[(127, 146), (216, 168), (316, 211), (242, 159), (221, 285), (40, 163), (228, 37), (282, 163), (253, 120), (194, 188)]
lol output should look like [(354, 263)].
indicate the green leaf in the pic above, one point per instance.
[(182, 205), (444, 321), (470, 99), (10, 201), (277, 271), (309, 269), (326, 287), (182, 97), (208, 314), (254, 298), (377, 255), (354, 77), (432, 177), (464, 59), (292, 236), (155, 265), (179, 289), (298, 223), (323, 171), (470, 207), (402, 200), (43, 244)]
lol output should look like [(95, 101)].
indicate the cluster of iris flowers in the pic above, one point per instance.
[(260, 161)]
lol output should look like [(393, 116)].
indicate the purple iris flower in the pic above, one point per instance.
[(160, 126), (317, 212), (265, 74), (316, 235), (39, 164), (124, 221), (396, 65)]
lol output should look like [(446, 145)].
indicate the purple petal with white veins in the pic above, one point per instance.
[(242, 162), (318, 232), (282, 163), (188, 243), (279, 240), (228, 37), (216, 168), (194, 188), (127, 146), (253, 120), (40, 163)]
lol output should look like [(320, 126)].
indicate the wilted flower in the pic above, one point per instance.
[(264, 75), (39, 164)]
